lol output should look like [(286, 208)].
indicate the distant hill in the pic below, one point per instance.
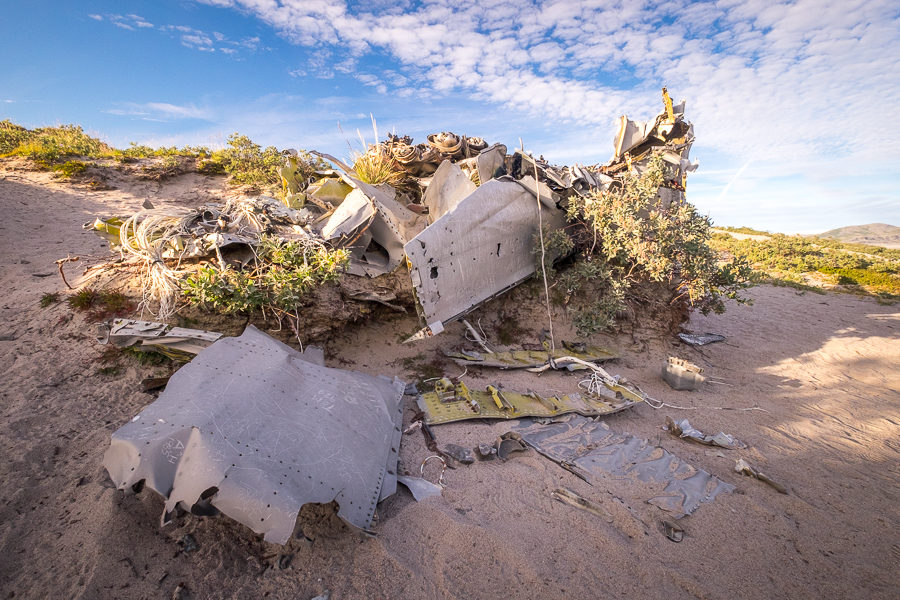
[(874, 234)]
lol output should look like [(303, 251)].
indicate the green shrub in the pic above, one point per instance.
[(70, 168), (640, 237), (49, 299), (249, 164), (790, 258), (285, 272)]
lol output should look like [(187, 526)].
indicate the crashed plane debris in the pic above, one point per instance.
[(592, 451), (310, 434), (701, 339), (743, 467), (178, 343), (684, 430), (464, 218), (528, 359), (454, 401), (681, 374)]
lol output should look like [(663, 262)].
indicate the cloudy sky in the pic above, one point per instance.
[(794, 103)]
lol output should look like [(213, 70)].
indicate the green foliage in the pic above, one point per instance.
[(378, 166), (876, 270), (49, 299), (84, 299), (49, 145), (210, 166), (640, 237), (886, 282), (12, 136), (249, 164), (101, 303), (70, 168), (146, 358), (748, 230), (285, 271), (136, 150)]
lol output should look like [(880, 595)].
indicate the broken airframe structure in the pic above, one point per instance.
[(314, 434), (464, 218)]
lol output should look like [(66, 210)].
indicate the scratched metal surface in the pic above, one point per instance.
[(271, 430), (594, 452), (479, 249)]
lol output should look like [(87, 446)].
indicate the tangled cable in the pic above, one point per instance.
[(146, 235)]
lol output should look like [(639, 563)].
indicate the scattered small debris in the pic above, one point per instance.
[(181, 592), (149, 384), (682, 375), (509, 443), (420, 488), (743, 467), (463, 455), (683, 429), (443, 468), (567, 496), (673, 531), (486, 452), (701, 339), (527, 359)]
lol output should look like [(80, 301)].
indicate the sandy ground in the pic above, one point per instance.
[(824, 368)]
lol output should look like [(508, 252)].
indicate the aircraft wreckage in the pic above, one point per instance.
[(463, 221)]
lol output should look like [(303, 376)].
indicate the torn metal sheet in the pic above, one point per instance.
[(480, 249), (393, 226), (451, 402), (525, 359), (155, 337), (590, 450), (355, 211), (701, 339), (683, 429), (491, 163), (420, 488), (257, 430), (447, 188), (567, 496)]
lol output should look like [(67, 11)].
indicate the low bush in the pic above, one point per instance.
[(627, 234), (285, 272)]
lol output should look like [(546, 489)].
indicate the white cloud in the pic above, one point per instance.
[(190, 37), (128, 22), (160, 111), (773, 79)]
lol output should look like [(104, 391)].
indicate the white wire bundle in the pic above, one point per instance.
[(146, 235), (241, 210)]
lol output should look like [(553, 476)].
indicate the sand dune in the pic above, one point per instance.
[(826, 369)]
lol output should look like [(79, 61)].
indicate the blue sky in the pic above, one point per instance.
[(794, 103)]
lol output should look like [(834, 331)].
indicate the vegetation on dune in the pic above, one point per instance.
[(49, 145), (62, 148), (627, 235), (792, 259), (747, 230)]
